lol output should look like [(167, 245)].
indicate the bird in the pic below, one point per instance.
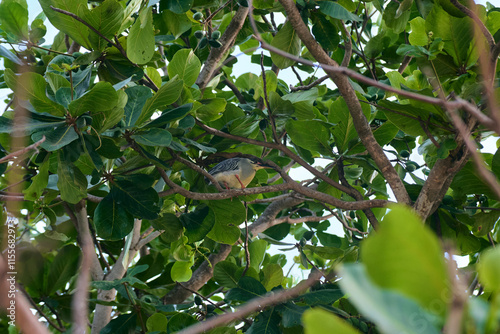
[(236, 173)]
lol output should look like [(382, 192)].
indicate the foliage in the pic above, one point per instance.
[(114, 122)]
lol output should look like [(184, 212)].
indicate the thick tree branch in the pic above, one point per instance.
[(254, 305), (345, 88), (216, 54)]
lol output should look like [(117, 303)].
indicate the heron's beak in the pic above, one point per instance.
[(261, 165)]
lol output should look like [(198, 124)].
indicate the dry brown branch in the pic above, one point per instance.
[(254, 305), (17, 154)]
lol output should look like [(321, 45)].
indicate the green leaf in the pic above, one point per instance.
[(311, 135), (141, 38), (395, 259), (330, 253), (71, 182), (177, 24), (489, 270), (32, 86), (64, 266), (211, 109), (139, 201), (271, 84), (228, 216), (181, 271), (468, 182), (38, 182), (179, 6), (325, 33), (384, 134), (157, 323), (456, 33), (123, 324), (111, 220), (394, 20), (169, 116), (318, 321), (196, 223), (170, 225), (137, 97), (390, 311), (336, 11), (318, 297), (418, 35), (68, 25), (166, 95), (401, 118), (107, 19), (273, 276), (266, 322), (14, 18), (186, 65), (257, 250), (101, 97), (225, 274), (30, 267), (288, 41), (248, 288), (55, 139), (153, 137), (10, 56)]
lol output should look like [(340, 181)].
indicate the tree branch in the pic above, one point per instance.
[(17, 154)]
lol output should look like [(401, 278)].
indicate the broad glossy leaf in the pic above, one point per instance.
[(157, 323), (170, 115), (111, 220), (383, 135), (325, 33), (107, 19), (153, 137), (401, 117), (14, 18), (271, 84), (196, 224), (395, 259), (273, 276), (418, 35), (337, 11), (70, 26), (257, 250), (248, 288), (170, 225), (30, 268), (394, 20), (177, 24), (489, 270), (101, 97), (38, 182), (228, 216), (211, 109), (166, 95), (63, 267), (31, 86), (123, 324), (186, 65), (319, 321), (392, 312), (137, 97), (288, 41), (71, 182), (140, 202), (330, 253), (55, 139), (225, 274), (179, 6), (323, 296), (311, 135), (141, 39), (266, 322), (468, 182), (9, 55), (181, 271)]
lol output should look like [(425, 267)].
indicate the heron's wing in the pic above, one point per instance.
[(224, 166)]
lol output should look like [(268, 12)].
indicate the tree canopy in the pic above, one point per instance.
[(110, 128)]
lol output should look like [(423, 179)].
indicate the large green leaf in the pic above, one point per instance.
[(394, 20), (273, 276), (170, 115), (288, 41), (137, 97), (141, 202), (101, 97), (325, 33), (266, 322), (31, 86), (170, 225), (38, 182), (181, 271), (196, 223), (225, 274), (248, 288), (396, 259), (392, 312), (179, 6), (403, 116), (489, 270), (111, 220), (14, 18), (107, 19), (337, 11), (457, 33), (257, 250), (177, 24), (71, 182), (9, 55), (383, 135), (318, 321), (153, 137), (311, 135), (64, 266), (211, 109), (68, 25), (123, 324), (468, 182), (228, 216), (55, 139), (186, 65), (141, 38), (166, 95)]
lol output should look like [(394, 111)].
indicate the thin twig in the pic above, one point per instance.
[(59, 327), (17, 154), (311, 85), (245, 246)]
